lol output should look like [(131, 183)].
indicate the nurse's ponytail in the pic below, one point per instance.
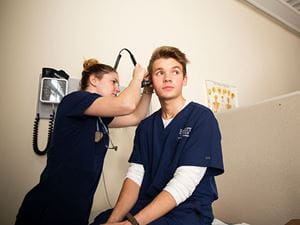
[(92, 66)]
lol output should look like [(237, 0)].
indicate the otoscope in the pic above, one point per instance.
[(145, 83)]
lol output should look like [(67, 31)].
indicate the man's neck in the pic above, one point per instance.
[(171, 107)]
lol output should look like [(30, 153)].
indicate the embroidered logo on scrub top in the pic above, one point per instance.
[(184, 132)]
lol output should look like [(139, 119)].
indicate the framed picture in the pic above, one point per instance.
[(220, 97)]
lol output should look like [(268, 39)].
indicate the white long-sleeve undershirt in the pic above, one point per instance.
[(181, 186), (184, 182)]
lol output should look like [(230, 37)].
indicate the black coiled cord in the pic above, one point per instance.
[(36, 131), (145, 83)]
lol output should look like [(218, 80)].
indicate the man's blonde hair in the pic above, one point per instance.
[(168, 52)]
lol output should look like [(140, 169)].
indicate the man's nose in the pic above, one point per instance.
[(167, 77)]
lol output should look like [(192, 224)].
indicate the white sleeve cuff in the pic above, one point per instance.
[(136, 173), (184, 182)]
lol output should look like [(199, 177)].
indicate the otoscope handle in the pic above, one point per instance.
[(146, 83)]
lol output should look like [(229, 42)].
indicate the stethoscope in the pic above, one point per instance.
[(99, 135)]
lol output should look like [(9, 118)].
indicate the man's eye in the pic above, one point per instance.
[(159, 73)]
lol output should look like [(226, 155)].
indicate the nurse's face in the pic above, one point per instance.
[(108, 85), (168, 78)]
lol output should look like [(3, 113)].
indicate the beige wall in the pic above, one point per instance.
[(225, 41)]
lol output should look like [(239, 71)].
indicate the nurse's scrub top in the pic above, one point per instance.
[(67, 185)]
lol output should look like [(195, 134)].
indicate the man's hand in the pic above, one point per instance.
[(118, 223)]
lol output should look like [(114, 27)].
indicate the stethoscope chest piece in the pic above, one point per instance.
[(98, 136)]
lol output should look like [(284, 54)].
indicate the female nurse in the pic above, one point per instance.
[(80, 140)]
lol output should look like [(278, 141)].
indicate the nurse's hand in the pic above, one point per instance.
[(139, 72)]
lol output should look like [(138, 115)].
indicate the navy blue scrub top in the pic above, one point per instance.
[(73, 143), (67, 185), (192, 138)]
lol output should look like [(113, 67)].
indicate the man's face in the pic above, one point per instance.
[(168, 78)]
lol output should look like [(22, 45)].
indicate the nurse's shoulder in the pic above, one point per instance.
[(76, 97)]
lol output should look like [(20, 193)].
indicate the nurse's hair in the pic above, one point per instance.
[(92, 66), (168, 52)]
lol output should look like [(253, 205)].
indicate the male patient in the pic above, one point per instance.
[(176, 156)]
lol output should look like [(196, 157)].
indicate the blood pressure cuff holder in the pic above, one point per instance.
[(53, 73)]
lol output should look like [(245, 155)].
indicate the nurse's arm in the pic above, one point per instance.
[(161, 205), (123, 104), (127, 198), (139, 114)]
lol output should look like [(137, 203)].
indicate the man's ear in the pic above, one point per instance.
[(185, 80)]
